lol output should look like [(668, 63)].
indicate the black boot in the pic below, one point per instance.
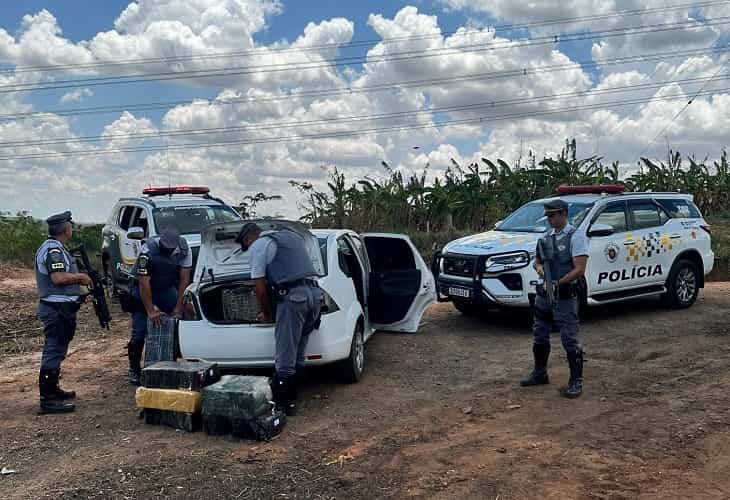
[(134, 352), (50, 402), (63, 395), (285, 394), (539, 375), (575, 384)]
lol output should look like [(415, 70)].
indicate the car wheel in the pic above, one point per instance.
[(683, 285), (351, 369), (467, 308)]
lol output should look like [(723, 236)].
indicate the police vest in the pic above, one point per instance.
[(292, 261), (557, 254), (165, 269), (45, 285)]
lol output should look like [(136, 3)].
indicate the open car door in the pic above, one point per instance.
[(401, 284)]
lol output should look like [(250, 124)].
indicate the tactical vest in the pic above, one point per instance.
[(45, 285), (558, 254), (292, 261), (165, 268)]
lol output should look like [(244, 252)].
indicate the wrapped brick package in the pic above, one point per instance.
[(189, 422), (261, 428), (169, 399), (192, 376), (160, 341), (237, 396)]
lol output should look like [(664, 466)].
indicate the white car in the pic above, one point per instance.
[(640, 244), (369, 282)]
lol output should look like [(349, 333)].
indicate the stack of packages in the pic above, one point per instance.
[(171, 393), (241, 406), (160, 341)]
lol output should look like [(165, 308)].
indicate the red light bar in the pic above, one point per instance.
[(595, 189), (170, 190)]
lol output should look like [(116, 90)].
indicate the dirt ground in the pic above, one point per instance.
[(438, 415)]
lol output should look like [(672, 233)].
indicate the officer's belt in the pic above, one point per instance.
[(565, 291), (282, 289), (66, 307)]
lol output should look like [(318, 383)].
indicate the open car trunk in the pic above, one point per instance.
[(230, 302)]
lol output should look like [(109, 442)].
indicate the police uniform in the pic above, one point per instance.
[(282, 258), (161, 258), (57, 308), (557, 250)]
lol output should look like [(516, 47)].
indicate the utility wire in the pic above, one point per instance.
[(334, 135), (684, 108), (518, 72), (494, 104), (328, 63), (360, 43)]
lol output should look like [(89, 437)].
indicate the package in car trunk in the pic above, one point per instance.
[(192, 376), (237, 396), (185, 421), (239, 303), (261, 428), (160, 341)]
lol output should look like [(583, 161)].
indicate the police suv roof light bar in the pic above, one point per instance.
[(594, 189), (170, 190)]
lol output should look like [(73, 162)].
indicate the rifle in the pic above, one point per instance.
[(101, 308), (549, 285)]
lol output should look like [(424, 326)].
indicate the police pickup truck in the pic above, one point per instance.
[(640, 244), (188, 209)]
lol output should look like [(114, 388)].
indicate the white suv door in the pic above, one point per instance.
[(401, 286), (608, 255), (647, 243)]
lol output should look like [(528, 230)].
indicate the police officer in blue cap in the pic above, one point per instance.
[(163, 271), (280, 261), (59, 289), (565, 251)]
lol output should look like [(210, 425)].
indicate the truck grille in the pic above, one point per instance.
[(457, 265)]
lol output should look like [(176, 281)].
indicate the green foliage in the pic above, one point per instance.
[(22, 235)]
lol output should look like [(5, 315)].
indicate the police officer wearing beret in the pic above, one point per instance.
[(163, 271), (58, 282), (565, 251), (280, 261)]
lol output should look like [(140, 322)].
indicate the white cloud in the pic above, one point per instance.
[(76, 95)]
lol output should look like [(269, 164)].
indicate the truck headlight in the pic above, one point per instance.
[(507, 261)]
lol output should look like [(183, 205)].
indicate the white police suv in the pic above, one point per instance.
[(641, 244), (185, 208)]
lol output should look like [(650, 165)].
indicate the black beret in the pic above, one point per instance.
[(57, 219), (555, 206)]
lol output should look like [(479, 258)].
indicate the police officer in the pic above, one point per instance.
[(163, 271), (565, 251), (280, 262), (59, 291)]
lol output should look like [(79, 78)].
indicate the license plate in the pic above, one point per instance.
[(459, 292)]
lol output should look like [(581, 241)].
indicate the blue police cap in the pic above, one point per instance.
[(62, 218), (170, 238), (553, 206)]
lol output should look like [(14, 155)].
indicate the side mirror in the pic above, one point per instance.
[(600, 230), (135, 233), (498, 223)]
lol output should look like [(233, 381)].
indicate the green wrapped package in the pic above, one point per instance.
[(237, 396)]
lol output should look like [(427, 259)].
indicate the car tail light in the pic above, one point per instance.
[(328, 304), (707, 228), (190, 308)]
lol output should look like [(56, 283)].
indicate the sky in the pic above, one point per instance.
[(247, 95)]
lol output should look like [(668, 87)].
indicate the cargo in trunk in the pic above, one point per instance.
[(230, 303), (237, 396), (192, 376)]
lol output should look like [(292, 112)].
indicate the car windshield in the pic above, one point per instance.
[(192, 219), (531, 218)]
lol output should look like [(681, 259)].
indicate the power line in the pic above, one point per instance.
[(684, 108), (373, 88), (327, 63), (335, 135), (359, 118), (359, 43)]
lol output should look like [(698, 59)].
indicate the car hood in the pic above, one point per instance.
[(493, 242), (221, 256)]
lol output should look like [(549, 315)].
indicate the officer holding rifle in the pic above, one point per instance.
[(561, 260)]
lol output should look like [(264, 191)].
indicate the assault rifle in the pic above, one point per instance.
[(549, 285), (101, 308)]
